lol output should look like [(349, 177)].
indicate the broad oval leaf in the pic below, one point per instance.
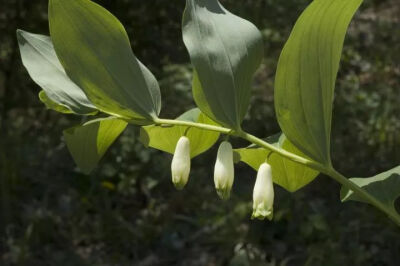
[(40, 60), (306, 75), (165, 138), (225, 51), (385, 187), (290, 175), (95, 51), (88, 143)]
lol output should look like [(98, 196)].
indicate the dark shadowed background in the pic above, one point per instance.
[(128, 212)]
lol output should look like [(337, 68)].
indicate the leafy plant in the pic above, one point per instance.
[(88, 68)]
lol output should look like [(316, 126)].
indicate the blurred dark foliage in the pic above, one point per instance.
[(128, 213)]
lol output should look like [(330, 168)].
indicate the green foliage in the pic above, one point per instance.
[(50, 104), (40, 59), (165, 138), (225, 51), (95, 51), (127, 213), (385, 187), (89, 142), (290, 175), (60, 108), (306, 75)]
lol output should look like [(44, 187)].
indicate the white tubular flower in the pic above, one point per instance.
[(180, 166), (263, 194), (224, 171)]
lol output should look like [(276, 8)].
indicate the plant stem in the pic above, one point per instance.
[(327, 170), (291, 156), (246, 136), (363, 194), (223, 130)]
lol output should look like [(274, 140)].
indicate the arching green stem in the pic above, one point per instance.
[(327, 170), (363, 194)]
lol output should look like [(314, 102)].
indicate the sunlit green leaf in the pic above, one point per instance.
[(306, 75), (95, 51), (253, 155), (89, 142), (385, 187), (225, 51), (288, 174), (165, 138), (50, 104), (40, 59)]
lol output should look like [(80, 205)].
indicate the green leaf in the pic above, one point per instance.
[(306, 75), (288, 174), (95, 51), (165, 138), (40, 59), (225, 51), (253, 155), (89, 142), (385, 187), (50, 104)]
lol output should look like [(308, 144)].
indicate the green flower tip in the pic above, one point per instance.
[(180, 184), (224, 194), (261, 212)]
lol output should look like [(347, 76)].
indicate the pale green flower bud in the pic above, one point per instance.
[(224, 171), (263, 194), (180, 166)]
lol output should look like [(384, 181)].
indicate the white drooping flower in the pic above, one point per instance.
[(180, 167), (224, 170), (263, 194)]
